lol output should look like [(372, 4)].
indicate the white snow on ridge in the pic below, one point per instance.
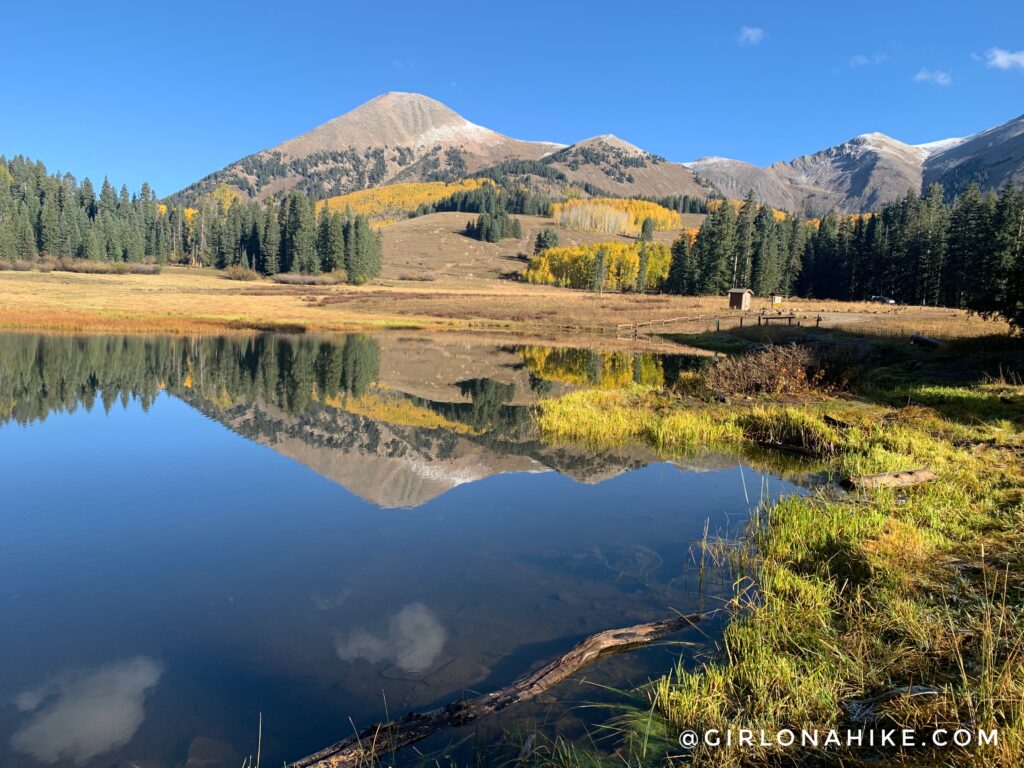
[(466, 132), (933, 147), (709, 160)]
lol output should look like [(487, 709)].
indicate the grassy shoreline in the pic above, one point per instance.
[(908, 600)]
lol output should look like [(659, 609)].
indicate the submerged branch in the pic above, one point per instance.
[(383, 738)]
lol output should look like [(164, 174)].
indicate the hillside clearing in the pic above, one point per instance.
[(434, 246)]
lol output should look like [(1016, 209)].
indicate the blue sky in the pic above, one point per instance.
[(168, 92)]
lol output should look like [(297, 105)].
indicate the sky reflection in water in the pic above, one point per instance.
[(196, 531)]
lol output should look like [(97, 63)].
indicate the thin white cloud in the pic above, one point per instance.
[(414, 640), (1003, 59), (751, 35), (85, 713), (936, 76), (865, 59)]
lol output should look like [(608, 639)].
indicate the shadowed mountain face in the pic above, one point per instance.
[(397, 421), (990, 158), (403, 137), (871, 170)]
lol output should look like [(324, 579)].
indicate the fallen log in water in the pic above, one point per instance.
[(892, 479), (383, 738)]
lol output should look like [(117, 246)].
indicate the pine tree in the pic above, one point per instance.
[(270, 242), (767, 264), (682, 272), (323, 239), (298, 236), (930, 245), (714, 250), (1009, 245), (335, 257), (965, 229), (546, 238), (743, 252), (50, 241)]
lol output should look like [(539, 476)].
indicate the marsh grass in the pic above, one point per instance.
[(844, 599)]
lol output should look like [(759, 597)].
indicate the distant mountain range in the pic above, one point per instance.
[(400, 137), (872, 169)]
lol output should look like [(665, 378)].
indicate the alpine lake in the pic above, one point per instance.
[(213, 543)]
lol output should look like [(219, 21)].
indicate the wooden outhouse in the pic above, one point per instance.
[(739, 298)]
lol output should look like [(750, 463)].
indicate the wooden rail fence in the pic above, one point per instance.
[(762, 319)]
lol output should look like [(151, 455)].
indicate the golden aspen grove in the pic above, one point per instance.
[(587, 367), (396, 201), (573, 266), (616, 216)]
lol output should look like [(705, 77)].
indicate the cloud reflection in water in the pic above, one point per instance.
[(85, 713), (414, 640)]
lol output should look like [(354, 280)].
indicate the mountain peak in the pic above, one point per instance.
[(611, 140), (395, 119)]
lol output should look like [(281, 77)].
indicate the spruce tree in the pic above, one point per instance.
[(546, 238), (270, 242), (682, 271), (767, 259), (743, 250)]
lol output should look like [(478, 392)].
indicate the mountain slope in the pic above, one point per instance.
[(991, 158), (394, 137), (616, 167), (406, 137), (856, 176)]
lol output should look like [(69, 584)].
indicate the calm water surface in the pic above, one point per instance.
[(197, 531)]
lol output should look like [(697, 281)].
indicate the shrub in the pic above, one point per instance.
[(88, 267), (19, 265), (297, 278), (238, 272), (776, 370), (144, 269)]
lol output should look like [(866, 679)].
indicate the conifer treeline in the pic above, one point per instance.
[(490, 199), (46, 374), (56, 216), (919, 250)]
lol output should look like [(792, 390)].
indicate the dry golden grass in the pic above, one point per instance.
[(183, 300), (936, 323)]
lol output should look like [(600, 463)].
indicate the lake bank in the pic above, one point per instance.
[(881, 607)]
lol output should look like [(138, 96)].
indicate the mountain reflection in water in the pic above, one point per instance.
[(192, 533), (397, 421)]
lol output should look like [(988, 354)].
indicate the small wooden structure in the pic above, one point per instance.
[(739, 298), (777, 299)]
